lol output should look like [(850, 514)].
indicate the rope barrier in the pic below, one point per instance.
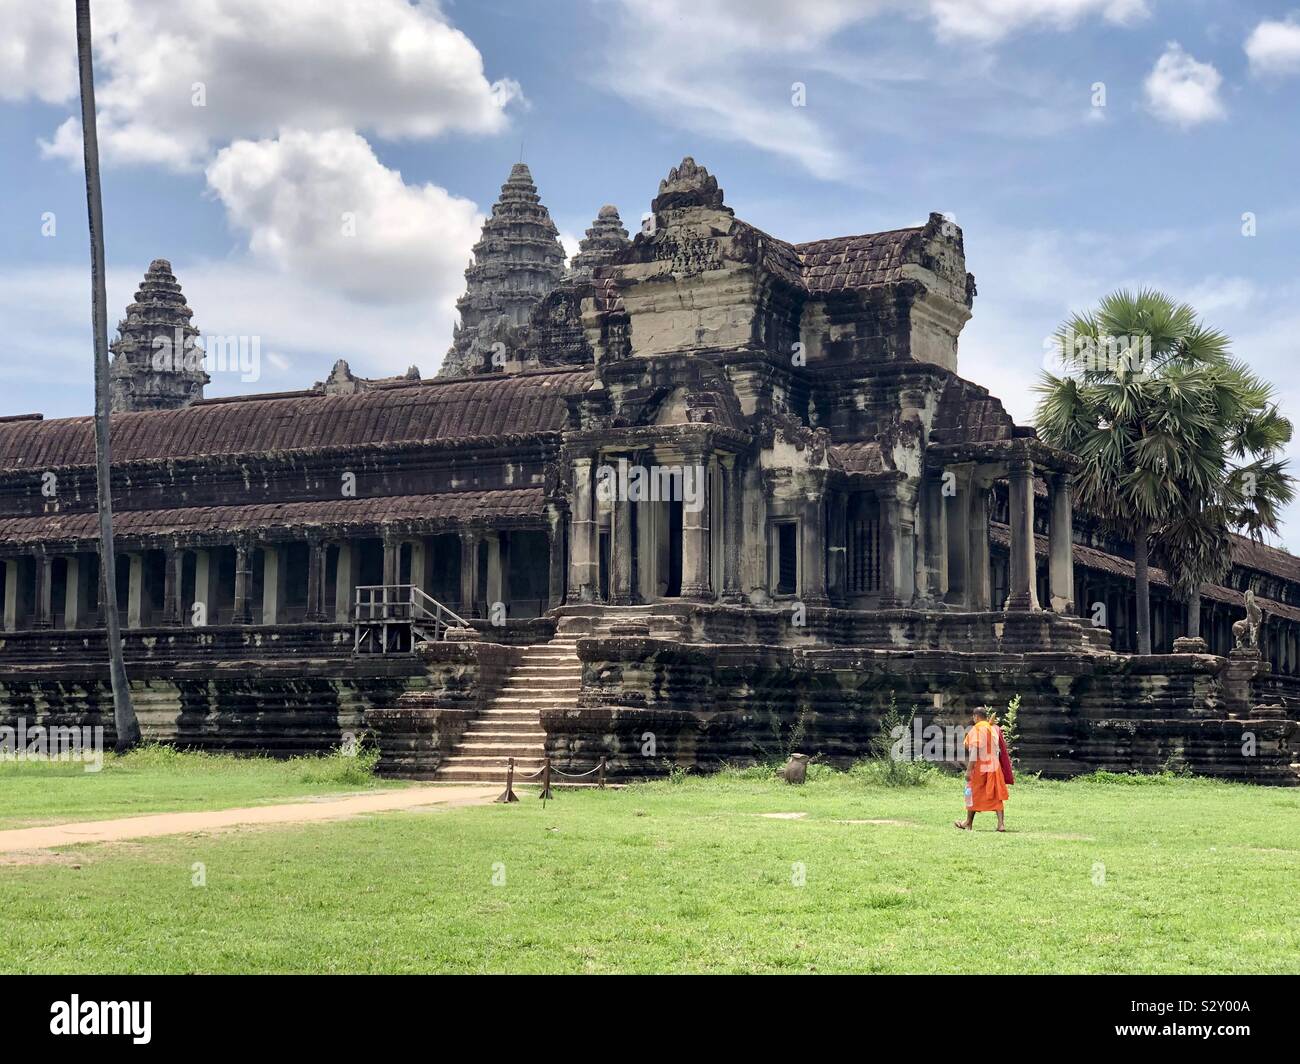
[(544, 773)]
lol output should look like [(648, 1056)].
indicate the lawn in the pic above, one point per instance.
[(1099, 875), (159, 779)]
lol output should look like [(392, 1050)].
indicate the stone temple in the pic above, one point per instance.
[(699, 496)]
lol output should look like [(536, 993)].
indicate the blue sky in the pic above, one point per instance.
[(408, 117)]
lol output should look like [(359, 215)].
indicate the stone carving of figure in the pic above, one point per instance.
[(1245, 633)]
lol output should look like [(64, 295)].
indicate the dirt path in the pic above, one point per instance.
[(327, 808)]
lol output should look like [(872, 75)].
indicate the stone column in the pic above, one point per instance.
[(469, 589), (1061, 544), (1023, 594), (316, 561), (621, 591), (812, 546), (76, 593), (495, 590), (932, 564), (732, 539), (345, 582), (584, 565), (979, 579), (273, 564), (838, 548), (422, 564), (135, 591), (206, 585), (173, 559), (243, 582), (897, 546), (960, 507), (44, 603), (697, 580), (392, 559), (13, 593), (556, 572)]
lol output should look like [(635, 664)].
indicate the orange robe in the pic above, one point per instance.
[(986, 789)]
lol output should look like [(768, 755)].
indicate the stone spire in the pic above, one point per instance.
[(605, 239), (517, 260), (688, 185), (156, 363)]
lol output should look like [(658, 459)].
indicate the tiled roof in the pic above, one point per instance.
[(415, 412), (845, 262), (1100, 561), (1251, 555), (451, 510)]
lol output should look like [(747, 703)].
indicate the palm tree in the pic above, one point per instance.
[(1163, 418), (1195, 544), (126, 726)]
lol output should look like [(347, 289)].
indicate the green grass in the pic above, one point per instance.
[(157, 779), (1106, 874)]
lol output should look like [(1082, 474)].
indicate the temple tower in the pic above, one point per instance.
[(604, 240), (156, 363), (517, 260)]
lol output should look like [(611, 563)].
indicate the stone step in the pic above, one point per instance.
[(547, 668), (532, 738), (540, 683), (530, 701), (519, 751), (497, 760)]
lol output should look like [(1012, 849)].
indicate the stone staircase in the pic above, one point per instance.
[(547, 674)]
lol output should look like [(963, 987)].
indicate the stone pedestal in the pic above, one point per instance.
[(1238, 680)]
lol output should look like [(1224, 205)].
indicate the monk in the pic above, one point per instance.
[(986, 787)]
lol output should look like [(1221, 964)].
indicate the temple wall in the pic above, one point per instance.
[(277, 706), (649, 704)]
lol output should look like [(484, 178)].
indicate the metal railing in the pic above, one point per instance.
[(393, 618)]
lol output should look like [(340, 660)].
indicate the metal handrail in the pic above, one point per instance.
[(379, 606), (426, 606)]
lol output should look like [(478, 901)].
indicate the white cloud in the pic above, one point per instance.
[(1273, 47), (38, 51), (991, 20), (393, 68), (699, 64), (324, 208), (1182, 90)]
